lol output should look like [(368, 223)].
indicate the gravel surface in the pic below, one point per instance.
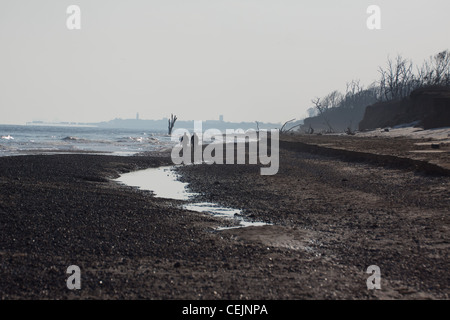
[(330, 219)]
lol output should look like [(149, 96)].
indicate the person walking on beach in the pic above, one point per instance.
[(196, 152), (184, 138)]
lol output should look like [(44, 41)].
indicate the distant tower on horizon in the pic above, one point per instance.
[(137, 116), (221, 118)]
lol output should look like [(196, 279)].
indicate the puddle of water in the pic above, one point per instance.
[(222, 212), (163, 183)]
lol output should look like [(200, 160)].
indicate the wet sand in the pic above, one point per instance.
[(331, 219)]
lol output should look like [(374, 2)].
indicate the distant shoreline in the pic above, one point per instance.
[(49, 124)]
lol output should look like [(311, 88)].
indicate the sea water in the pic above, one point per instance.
[(25, 139)]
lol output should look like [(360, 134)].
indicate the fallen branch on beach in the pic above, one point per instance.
[(283, 130)]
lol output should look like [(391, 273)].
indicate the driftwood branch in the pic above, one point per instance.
[(257, 126), (283, 130), (171, 123)]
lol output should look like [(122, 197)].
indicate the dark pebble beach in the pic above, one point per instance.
[(329, 219)]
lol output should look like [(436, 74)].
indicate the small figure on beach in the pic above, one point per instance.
[(184, 138), (195, 151)]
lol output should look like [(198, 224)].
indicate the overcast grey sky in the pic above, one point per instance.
[(246, 59)]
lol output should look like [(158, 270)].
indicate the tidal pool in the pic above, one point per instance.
[(163, 182)]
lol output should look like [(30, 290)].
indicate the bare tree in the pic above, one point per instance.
[(352, 93), (334, 99), (442, 67), (397, 78), (171, 123), (353, 87), (435, 71), (397, 81), (322, 108)]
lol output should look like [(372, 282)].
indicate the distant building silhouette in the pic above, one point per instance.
[(137, 116), (161, 124), (221, 118)]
